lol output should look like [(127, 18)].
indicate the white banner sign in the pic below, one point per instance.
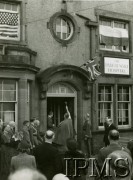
[(116, 66)]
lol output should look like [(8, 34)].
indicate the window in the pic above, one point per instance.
[(105, 99), (123, 105), (9, 21), (114, 35), (63, 28), (8, 100)]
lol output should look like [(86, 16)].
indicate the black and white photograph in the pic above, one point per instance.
[(66, 90)]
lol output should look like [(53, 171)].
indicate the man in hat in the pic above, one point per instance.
[(46, 156)]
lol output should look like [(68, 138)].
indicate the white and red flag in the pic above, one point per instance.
[(113, 36)]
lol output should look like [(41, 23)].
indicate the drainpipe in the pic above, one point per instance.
[(92, 25)]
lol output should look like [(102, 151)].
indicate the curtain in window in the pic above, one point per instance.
[(8, 116)]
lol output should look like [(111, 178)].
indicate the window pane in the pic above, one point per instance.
[(2, 5), (119, 25), (119, 97), (58, 34), (8, 106), (9, 95), (107, 105), (101, 97), (14, 7), (105, 22), (125, 89), (64, 35), (119, 89), (9, 85), (64, 23), (8, 7), (125, 97), (8, 116), (108, 97), (107, 89)]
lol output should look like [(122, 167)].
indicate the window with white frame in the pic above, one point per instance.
[(8, 100), (114, 35), (63, 28), (105, 99), (123, 105), (9, 21)]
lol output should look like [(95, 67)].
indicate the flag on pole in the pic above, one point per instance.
[(93, 68)]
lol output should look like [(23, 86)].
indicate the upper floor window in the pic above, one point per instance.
[(114, 35), (9, 21), (63, 28)]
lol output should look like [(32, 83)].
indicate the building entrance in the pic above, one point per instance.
[(57, 96), (57, 106)]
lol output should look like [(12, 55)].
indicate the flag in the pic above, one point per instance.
[(113, 36), (9, 24), (93, 68)]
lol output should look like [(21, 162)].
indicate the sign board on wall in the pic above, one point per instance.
[(116, 66)]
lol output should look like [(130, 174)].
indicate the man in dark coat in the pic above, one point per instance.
[(86, 136), (64, 131), (108, 127), (114, 145), (46, 156)]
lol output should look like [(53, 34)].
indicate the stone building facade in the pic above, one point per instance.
[(41, 63)]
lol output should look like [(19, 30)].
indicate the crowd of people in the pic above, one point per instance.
[(31, 155)]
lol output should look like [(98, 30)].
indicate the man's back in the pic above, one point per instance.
[(46, 156), (22, 160), (104, 152)]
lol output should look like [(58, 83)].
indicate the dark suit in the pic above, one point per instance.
[(104, 152), (46, 158), (106, 133)]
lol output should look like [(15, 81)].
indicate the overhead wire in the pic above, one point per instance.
[(43, 19)]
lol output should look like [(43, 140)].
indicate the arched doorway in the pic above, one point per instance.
[(57, 95)]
